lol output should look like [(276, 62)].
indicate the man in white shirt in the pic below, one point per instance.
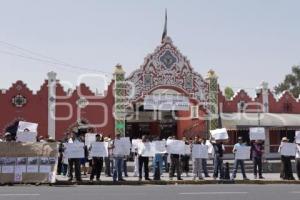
[(238, 162)]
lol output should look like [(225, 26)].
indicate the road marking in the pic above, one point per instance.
[(197, 193), (295, 192), (20, 195)]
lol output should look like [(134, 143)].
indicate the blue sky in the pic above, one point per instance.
[(244, 41)]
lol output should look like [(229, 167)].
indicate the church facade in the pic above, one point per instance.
[(165, 96)]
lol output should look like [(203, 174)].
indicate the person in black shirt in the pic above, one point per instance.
[(218, 159)]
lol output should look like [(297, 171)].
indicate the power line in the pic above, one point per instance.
[(45, 59)]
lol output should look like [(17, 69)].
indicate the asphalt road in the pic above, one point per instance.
[(152, 192)]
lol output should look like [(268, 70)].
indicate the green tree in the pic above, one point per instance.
[(290, 83), (228, 93)]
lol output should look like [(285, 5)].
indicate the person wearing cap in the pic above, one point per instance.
[(286, 172), (97, 162), (257, 150), (238, 162)]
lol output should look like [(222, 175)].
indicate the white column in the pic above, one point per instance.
[(267, 141), (51, 103), (265, 96)]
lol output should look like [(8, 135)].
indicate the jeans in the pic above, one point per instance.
[(235, 168), (257, 163), (197, 167), (107, 166), (218, 166), (64, 169), (158, 159), (118, 166)]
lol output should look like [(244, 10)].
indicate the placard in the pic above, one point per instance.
[(288, 149), (160, 146), (89, 138), (219, 134), (74, 150), (32, 127), (135, 144), (26, 136), (199, 151), (99, 149), (146, 149), (242, 153), (210, 147), (176, 147), (257, 133), (122, 146), (188, 149), (297, 137)]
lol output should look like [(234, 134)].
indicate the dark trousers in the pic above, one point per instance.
[(143, 161), (74, 163), (204, 167), (96, 168), (236, 166), (59, 165), (298, 167), (175, 165), (185, 163), (257, 164), (107, 166), (286, 168), (125, 168), (218, 167)]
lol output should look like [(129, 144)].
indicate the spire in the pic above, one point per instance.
[(165, 27)]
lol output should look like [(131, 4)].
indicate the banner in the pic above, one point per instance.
[(99, 149), (74, 150), (219, 134), (166, 102), (199, 151), (297, 137), (176, 147), (26, 136), (28, 162), (32, 127), (288, 149), (242, 153), (135, 144), (257, 133)]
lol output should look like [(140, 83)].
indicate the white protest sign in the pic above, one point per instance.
[(74, 150), (200, 151), (257, 133), (288, 149), (175, 146), (122, 146), (31, 127), (219, 134), (146, 149), (26, 136), (297, 137), (135, 144), (160, 146), (99, 149), (188, 149), (89, 138), (210, 146), (242, 153)]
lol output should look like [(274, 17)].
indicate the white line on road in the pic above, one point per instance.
[(20, 195), (197, 193), (295, 192)]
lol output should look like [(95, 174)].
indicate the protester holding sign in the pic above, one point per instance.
[(237, 160), (143, 158), (175, 162), (204, 160), (186, 158), (197, 161), (118, 154), (286, 165), (97, 161), (218, 151), (74, 162), (257, 149)]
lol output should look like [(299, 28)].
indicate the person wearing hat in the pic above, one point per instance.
[(238, 162), (257, 150), (8, 137), (97, 162), (286, 172)]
